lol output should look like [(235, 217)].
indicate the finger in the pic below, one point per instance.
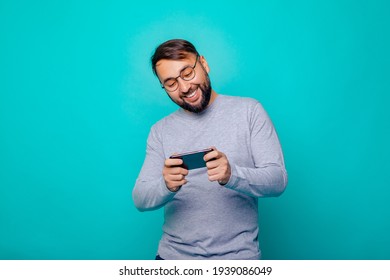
[(175, 177), (184, 171), (173, 170), (179, 170), (178, 185), (212, 164), (211, 155), (213, 150), (173, 162), (213, 178), (212, 172)]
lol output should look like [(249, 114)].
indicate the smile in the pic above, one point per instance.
[(191, 94)]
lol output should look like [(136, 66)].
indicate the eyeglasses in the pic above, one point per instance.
[(187, 74)]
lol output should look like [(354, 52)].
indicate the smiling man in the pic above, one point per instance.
[(209, 212)]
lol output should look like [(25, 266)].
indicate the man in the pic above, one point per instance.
[(210, 212)]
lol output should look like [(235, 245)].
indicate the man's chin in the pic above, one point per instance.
[(201, 103), (192, 108)]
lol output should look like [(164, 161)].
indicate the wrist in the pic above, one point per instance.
[(224, 181), (226, 178), (173, 189)]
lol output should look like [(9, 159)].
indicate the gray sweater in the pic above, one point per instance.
[(204, 220)]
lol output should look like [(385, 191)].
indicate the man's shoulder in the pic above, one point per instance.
[(159, 125), (239, 101)]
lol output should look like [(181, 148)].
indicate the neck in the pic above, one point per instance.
[(212, 97)]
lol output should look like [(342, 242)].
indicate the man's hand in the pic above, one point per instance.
[(174, 174), (218, 167)]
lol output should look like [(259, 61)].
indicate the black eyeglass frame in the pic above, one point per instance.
[(182, 77)]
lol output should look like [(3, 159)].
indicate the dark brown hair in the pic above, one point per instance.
[(175, 49)]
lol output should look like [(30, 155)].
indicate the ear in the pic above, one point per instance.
[(204, 63)]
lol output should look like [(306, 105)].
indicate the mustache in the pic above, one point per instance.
[(191, 90)]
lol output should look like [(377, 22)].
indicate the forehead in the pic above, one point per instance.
[(167, 68)]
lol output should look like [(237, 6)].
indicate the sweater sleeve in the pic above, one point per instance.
[(150, 191), (268, 177)]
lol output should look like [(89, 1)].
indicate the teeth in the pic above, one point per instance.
[(191, 95)]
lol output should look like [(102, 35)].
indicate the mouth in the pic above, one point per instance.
[(192, 96)]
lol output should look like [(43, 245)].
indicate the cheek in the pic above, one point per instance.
[(199, 80), (175, 97)]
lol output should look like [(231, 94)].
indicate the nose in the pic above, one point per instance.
[(184, 86)]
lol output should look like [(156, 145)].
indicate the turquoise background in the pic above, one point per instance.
[(78, 97)]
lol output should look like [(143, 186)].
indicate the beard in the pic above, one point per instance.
[(205, 89)]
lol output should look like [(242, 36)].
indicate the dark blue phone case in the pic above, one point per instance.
[(193, 160)]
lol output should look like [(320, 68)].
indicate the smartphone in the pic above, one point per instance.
[(193, 160)]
